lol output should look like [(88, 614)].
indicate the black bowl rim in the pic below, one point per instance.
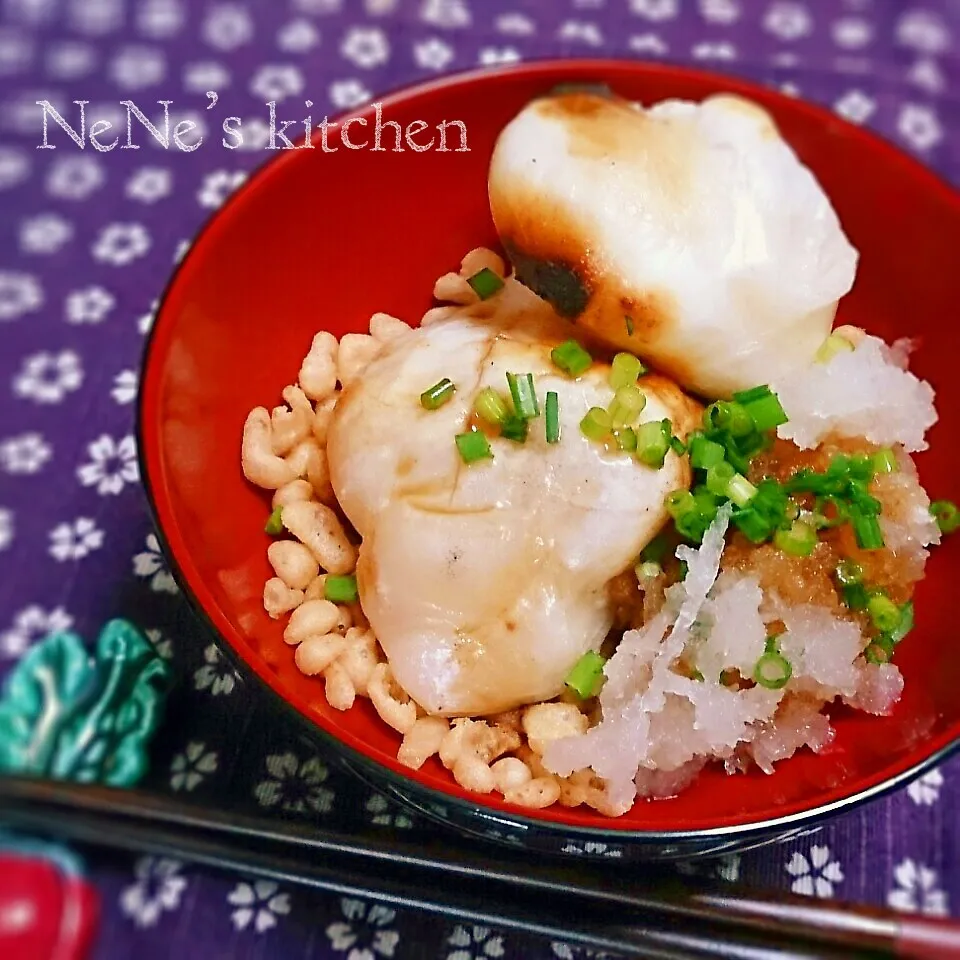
[(429, 795)]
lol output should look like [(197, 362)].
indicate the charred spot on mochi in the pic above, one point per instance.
[(557, 283)]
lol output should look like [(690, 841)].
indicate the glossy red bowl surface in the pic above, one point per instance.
[(322, 240)]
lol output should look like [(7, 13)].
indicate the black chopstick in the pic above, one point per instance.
[(666, 919)]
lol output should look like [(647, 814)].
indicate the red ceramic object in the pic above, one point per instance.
[(322, 240)]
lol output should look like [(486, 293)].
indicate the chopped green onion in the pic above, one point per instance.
[(514, 428), (754, 393), (855, 596), (437, 395), (752, 525), (705, 453), (884, 613), (679, 502), (595, 424), (587, 675), (766, 413), (571, 358), (628, 320), (625, 370), (798, 541), (625, 439), (740, 490), (473, 446), (340, 589), (653, 442), (946, 514), (880, 650), (840, 511), (553, 417), (849, 573), (834, 344), (867, 531), (491, 407), (678, 446), (731, 418), (707, 504), (627, 404), (647, 571), (719, 477), (655, 550), (274, 524), (885, 461), (772, 671), (687, 515), (906, 623), (524, 395), (486, 283)]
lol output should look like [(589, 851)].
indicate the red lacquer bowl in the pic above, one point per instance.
[(322, 240)]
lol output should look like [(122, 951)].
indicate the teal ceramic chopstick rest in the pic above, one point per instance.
[(70, 715)]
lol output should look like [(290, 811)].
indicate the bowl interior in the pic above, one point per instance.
[(322, 240)]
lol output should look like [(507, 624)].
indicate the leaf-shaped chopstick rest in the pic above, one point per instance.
[(70, 716)]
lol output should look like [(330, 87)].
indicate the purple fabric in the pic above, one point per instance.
[(87, 242)]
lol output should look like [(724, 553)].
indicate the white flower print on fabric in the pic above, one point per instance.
[(163, 645), (158, 887), (855, 106), (366, 47), (227, 26), (275, 81), (73, 541), (90, 305), (259, 902), (216, 675), (297, 787), (785, 58), (217, 186), (474, 943), (923, 30), (31, 624), (112, 465), (379, 8), (925, 790), (74, 178), (149, 184), (787, 20), (95, 17), (136, 67), (383, 813), (298, 36), (14, 167), (721, 50), (6, 528), (515, 24), (48, 377), (594, 849), (318, 6), (814, 876), (571, 951), (851, 33), (16, 51), (20, 293), (492, 56), (790, 89), (347, 94), (189, 768), (445, 13), (151, 564), (205, 75), (26, 453), (919, 126), (70, 60), (121, 243), (719, 11), (179, 253), (927, 75), (365, 932), (125, 385), (588, 33), (145, 321), (648, 43), (432, 53), (916, 890), (44, 233), (655, 10), (725, 868), (159, 19)]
